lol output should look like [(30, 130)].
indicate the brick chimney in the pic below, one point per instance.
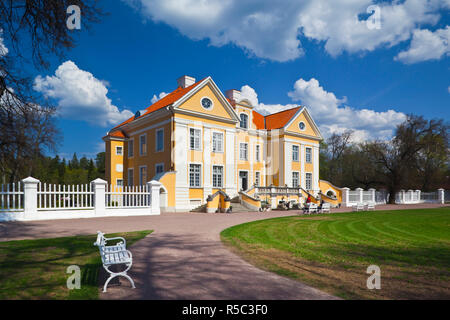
[(185, 81), (234, 95)]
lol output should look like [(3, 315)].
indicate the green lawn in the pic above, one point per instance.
[(36, 269), (332, 251)]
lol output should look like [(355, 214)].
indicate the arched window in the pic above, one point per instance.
[(244, 121)]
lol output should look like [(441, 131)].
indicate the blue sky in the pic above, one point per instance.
[(135, 53)]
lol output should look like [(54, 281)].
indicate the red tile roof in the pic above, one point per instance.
[(164, 102), (280, 119), (258, 120)]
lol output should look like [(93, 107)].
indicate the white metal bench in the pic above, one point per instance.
[(114, 255), (312, 208), (325, 207), (370, 206), (358, 207)]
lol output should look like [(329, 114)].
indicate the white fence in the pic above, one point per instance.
[(353, 197), (33, 200)]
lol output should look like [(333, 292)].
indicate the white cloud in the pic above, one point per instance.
[(427, 45), (331, 113), (272, 30), (80, 96), (159, 97)]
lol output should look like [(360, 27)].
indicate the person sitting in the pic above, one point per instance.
[(306, 207)]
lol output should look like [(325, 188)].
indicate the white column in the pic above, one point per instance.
[(30, 197), (373, 194), (181, 150), (99, 187), (360, 194), (315, 168), (345, 197), (154, 187), (230, 164), (402, 196), (302, 166), (288, 164), (207, 149), (418, 196), (441, 196)]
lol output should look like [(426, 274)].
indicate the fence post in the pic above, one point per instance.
[(273, 197), (30, 197), (154, 188), (99, 187), (418, 196), (373, 195), (441, 196), (402, 196), (345, 197), (360, 190)]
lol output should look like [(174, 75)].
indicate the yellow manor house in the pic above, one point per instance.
[(200, 143)]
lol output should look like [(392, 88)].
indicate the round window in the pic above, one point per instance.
[(302, 126), (206, 103)]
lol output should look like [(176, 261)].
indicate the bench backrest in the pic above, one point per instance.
[(313, 205), (326, 205)]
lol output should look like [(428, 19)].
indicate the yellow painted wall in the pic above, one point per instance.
[(112, 160), (168, 180), (325, 186), (295, 128), (194, 103)]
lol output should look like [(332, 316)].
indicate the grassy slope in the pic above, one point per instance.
[(36, 269), (332, 252)]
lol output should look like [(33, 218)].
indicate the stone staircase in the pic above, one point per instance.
[(237, 207)]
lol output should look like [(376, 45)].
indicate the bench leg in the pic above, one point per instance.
[(118, 274)]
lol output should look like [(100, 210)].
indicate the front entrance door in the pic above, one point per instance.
[(243, 180)]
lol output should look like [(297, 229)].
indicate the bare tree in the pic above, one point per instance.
[(33, 30)]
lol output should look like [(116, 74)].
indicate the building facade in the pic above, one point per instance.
[(196, 141)]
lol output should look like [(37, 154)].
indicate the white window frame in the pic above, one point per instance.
[(156, 139), (222, 177), (220, 150), (117, 183), (130, 142), (199, 148), (200, 176), (130, 175), (246, 151), (240, 120), (258, 153), (117, 153), (161, 164), (212, 103), (141, 183), (298, 179), (258, 183), (297, 159), (306, 155), (306, 180), (140, 145)]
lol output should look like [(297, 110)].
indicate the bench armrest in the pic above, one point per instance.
[(117, 238)]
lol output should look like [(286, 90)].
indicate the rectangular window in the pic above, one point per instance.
[(194, 175), (243, 151), (295, 179), (119, 151), (308, 181), (257, 178), (160, 140), (295, 156), (143, 145), (217, 142), (142, 175), (217, 177), (258, 148), (308, 155), (159, 168), (195, 138), (130, 148), (119, 182), (130, 177)]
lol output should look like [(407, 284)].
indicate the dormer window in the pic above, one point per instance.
[(244, 121)]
